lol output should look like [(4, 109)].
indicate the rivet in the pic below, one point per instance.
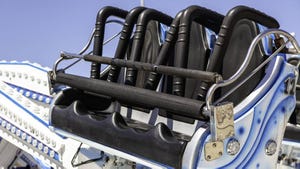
[(270, 147), (40, 98), (23, 136), (34, 142), (40, 146), (13, 130), (27, 94), (3, 124), (34, 95), (233, 146), (18, 132), (46, 150), (52, 153), (8, 126)]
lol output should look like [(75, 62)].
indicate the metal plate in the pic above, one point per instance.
[(213, 150)]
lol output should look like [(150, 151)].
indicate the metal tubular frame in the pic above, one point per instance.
[(249, 55)]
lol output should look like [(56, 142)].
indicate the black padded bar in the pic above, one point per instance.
[(189, 73), (126, 32), (233, 16), (137, 97), (102, 16), (153, 79), (206, 18), (139, 35)]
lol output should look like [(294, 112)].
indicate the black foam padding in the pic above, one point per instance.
[(292, 133), (124, 41), (244, 32), (91, 101), (198, 55), (197, 59), (150, 50), (102, 16), (228, 28), (154, 143), (139, 38)]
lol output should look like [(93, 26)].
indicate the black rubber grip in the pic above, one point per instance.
[(233, 16), (139, 35), (204, 17), (162, 58), (137, 97), (126, 32), (102, 16)]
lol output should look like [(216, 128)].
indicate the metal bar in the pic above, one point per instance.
[(246, 62), (189, 73), (252, 73)]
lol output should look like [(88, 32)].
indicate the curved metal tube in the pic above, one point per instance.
[(246, 62), (65, 55)]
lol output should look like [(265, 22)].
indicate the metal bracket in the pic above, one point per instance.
[(213, 150), (222, 127), (222, 121)]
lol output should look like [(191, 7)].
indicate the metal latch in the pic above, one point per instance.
[(222, 127)]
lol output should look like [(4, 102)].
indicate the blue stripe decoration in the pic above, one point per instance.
[(27, 111), (32, 94), (19, 135)]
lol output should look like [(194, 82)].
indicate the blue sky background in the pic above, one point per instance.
[(37, 30)]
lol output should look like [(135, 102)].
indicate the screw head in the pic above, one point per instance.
[(271, 147), (233, 146), (52, 153), (40, 146), (34, 142)]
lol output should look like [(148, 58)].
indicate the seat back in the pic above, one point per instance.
[(236, 34), (243, 33)]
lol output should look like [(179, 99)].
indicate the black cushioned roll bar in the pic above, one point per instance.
[(102, 16), (203, 16), (137, 97), (233, 16), (206, 18), (139, 35), (162, 59), (126, 32)]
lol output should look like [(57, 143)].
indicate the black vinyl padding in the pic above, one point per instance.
[(244, 32), (155, 143), (102, 16), (197, 59), (150, 50), (125, 41)]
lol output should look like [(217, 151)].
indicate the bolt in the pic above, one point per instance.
[(233, 146), (271, 147)]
